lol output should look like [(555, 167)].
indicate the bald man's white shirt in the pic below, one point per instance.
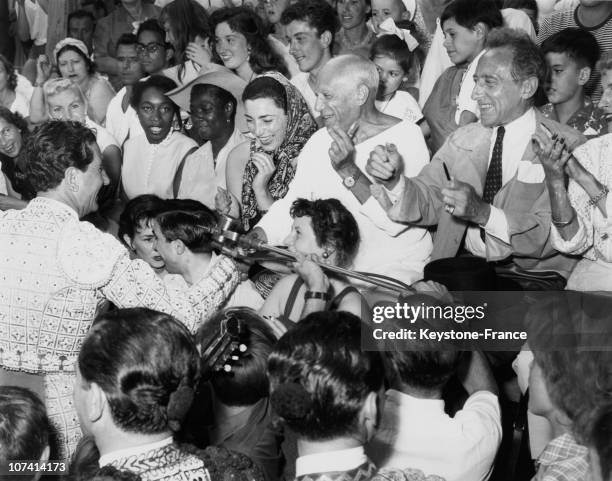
[(386, 247)]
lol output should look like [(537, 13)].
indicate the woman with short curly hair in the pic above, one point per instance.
[(323, 230)]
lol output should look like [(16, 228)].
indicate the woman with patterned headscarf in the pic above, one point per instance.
[(260, 170)]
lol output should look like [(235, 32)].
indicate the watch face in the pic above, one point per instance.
[(349, 182)]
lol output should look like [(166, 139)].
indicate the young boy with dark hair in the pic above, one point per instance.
[(310, 26), (466, 24), (571, 55)]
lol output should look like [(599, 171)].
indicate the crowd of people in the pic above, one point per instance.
[(161, 161)]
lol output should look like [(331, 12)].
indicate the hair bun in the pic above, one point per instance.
[(291, 401)]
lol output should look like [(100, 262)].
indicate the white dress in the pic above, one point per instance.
[(151, 168), (104, 138), (202, 174), (402, 106)]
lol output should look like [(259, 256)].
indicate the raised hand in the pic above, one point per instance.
[(385, 165), (265, 170), (552, 153), (342, 149), (43, 69), (198, 53), (312, 274)]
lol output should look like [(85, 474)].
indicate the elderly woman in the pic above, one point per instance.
[(15, 190), (241, 42), (325, 231), (65, 101), (9, 97), (151, 161), (73, 62), (68, 269), (260, 170), (213, 100), (136, 379)]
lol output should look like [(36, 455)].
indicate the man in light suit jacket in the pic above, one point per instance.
[(495, 204)]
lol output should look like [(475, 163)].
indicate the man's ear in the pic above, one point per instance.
[(480, 29), (71, 177), (369, 416), (362, 94), (96, 402), (529, 87), (584, 75), (179, 246), (326, 39)]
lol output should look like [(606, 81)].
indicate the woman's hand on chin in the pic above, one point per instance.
[(312, 274), (265, 170)]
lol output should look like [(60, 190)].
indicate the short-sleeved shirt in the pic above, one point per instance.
[(589, 119)]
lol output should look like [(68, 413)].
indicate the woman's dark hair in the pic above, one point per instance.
[(320, 376), (12, 167), (138, 211), (160, 82), (262, 57), (266, 88), (187, 19), (24, 426), (91, 67), (468, 13), (147, 365), (189, 221), (333, 226), (51, 149), (247, 382), (10, 72)]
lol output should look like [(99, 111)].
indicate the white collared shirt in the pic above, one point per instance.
[(417, 432), (517, 137), (342, 460), (113, 456)]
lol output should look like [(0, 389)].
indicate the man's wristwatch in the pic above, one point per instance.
[(350, 181)]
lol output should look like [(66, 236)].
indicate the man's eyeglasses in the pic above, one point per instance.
[(151, 49)]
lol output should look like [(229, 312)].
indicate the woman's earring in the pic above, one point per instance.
[(325, 255), (188, 124)]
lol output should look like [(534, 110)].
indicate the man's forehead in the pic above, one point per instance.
[(495, 62), (125, 50), (80, 22), (299, 26)]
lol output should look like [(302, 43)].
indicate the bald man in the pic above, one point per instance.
[(332, 165)]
